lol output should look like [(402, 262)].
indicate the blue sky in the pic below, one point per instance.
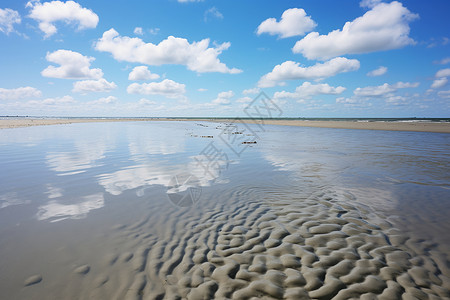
[(321, 58)]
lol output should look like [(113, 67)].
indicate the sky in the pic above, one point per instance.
[(187, 58)]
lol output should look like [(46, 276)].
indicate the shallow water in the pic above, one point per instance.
[(162, 210)]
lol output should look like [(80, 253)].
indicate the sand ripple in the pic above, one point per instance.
[(322, 247)]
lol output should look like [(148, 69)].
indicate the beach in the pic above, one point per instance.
[(138, 210), (443, 127), (190, 149)]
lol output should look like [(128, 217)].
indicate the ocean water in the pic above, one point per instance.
[(158, 210)]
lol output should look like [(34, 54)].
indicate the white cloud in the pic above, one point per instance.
[(438, 83), (443, 61), (294, 22), (385, 27), (244, 100), (369, 3), (444, 94), (213, 12), (222, 101), (252, 91), (86, 86), (144, 101), (404, 85), (142, 73), (228, 94), (8, 18), (105, 100), (73, 65), (19, 93), (443, 73), (374, 91), (396, 100), (196, 56), (167, 87), (154, 31), (202, 90), (381, 90), (53, 101), (290, 70), (138, 31), (69, 12), (378, 72), (223, 98), (344, 100), (307, 90)]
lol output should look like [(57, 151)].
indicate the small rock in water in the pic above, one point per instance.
[(84, 269), (33, 280)]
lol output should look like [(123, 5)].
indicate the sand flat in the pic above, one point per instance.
[(375, 125), (336, 215), (394, 126), (15, 123)]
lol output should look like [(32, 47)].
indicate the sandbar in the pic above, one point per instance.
[(442, 127)]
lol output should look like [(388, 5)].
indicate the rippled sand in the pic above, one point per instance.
[(304, 234), (267, 247)]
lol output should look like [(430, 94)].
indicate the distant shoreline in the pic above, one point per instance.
[(376, 124)]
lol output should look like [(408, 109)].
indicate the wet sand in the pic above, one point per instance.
[(392, 126), (376, 125), (265, 234), (320, 247), (15, 123)]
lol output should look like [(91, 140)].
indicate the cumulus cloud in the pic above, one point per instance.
[(142, 73), (167, 87), (404, 85), (244, 100), (105, 100), (53, 101), (252, 91), (369, 3), (86, 86), (19, 93), (197, 56), (69, 12), (443, 61), (307, 90), (384, 27), (294, 22), (444, 94), (138, 31), (384, 89), (8, 17), (396, 100), (443, 73), (438, 83), (223, 98), (344, 100), (73, 65), (211, 13), (144, 101), (154, 31), (378, 71), (290, 70), (374, 91)]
